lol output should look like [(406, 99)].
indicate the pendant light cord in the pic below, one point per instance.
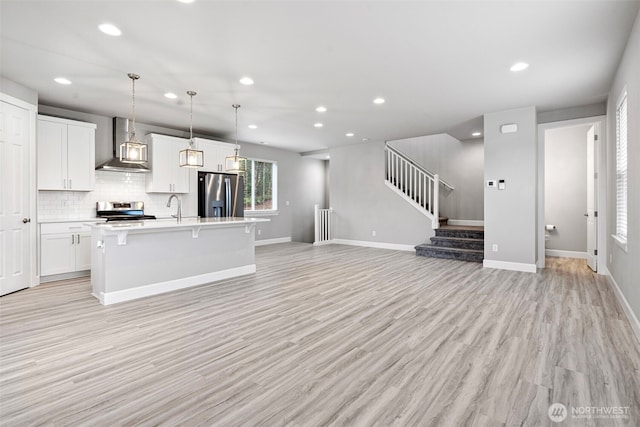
[(191, 94), (133, 78), (236, 106), (191, 121)]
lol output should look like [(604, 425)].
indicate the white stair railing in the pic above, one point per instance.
[(414, 183), (323, 225)]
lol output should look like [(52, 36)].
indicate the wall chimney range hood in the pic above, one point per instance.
[(120, 135)]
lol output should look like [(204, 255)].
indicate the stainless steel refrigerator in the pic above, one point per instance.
[(220, 195)]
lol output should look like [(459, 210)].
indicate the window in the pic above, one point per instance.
[(621, 169), (260, 186)]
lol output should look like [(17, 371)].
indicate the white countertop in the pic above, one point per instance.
[(61, 220), (172, 223)]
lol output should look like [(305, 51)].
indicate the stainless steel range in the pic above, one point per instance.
[(122, 211)]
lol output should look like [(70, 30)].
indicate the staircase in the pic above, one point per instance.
[(421, 189), (415, 184), (463, 243)]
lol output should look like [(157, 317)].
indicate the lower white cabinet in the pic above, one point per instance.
[(65, 247)]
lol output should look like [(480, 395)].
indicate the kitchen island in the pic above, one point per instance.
[(142, 258)]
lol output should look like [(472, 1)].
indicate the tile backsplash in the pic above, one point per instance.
[(110, 186)]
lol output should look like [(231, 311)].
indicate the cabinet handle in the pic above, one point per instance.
[(64, 183), (73, 236), (78, 239), (70, 185)]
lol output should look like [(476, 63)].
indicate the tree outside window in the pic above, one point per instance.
[(260, 186)]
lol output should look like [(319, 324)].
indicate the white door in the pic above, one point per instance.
[(14, 199), (592, 221)]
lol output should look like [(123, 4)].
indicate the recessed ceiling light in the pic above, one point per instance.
[(186, 1), (110, 29), (476, 134), (378, 101), (170, 95), (321, 109), (519, 66), (365, 139), (247, 81), (318, 125), (349, 134), (253, 127), (62, 81)]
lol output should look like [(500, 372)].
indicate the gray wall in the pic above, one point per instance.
[(510, 214), (363, 203), (460, 163), (301, 180), (11, 88), (565, 172), (625, 266)]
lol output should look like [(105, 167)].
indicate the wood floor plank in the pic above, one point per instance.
[(329, 335)]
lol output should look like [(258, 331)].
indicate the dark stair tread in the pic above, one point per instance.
[(462, 227), (447, 249), (463, 239)]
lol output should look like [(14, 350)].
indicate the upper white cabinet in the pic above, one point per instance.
[(66, 154), (214, 153), (166, 175)]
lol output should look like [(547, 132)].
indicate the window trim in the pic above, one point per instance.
[(274, 182), (619, 239)]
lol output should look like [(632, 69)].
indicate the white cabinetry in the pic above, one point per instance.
[(64, 248), (215, 153), (166, 175), (66, 154)]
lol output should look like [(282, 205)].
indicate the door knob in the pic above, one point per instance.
[(26, 220), (587, 214)]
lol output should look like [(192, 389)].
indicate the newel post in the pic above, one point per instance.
[(316, 222), (436, 201)]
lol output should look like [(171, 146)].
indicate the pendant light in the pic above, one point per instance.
[(133, 151), (235, 163), (190, 157)]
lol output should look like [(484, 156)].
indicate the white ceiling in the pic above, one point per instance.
[(437, 64)]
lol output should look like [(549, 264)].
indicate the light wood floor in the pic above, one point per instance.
[(332, 335)]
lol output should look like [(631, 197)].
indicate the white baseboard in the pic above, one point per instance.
[(378, 245), (324, 242), (513, 266), (473, 222), (107, 298), (565, 254), (273, 241), (633, 320)]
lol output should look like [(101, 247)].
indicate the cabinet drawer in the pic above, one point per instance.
[(64, 227)]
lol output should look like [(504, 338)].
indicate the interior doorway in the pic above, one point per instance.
[(17, 204), (571, 163)]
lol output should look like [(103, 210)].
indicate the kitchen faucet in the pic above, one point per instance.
[(179, 213)]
